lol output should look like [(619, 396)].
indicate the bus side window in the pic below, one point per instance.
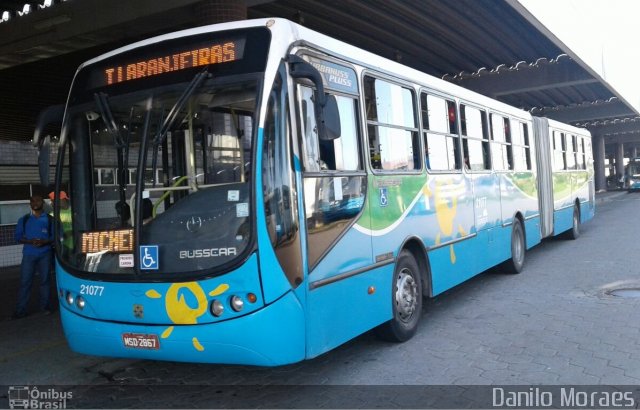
[(570, 151), (520, 146), (440, 129), (501, 148), (474, 138), (340, 154), (558, 152), (394, 144)]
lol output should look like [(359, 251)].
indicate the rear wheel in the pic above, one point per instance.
[(574, 232), (518, 248), (406, 299)]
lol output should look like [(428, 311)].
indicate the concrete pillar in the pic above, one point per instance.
[(612, 165), (619, 159), (634, 152), (598, 163), (219, 11)]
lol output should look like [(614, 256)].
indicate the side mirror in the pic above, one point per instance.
[(50, 115), (329, 121)]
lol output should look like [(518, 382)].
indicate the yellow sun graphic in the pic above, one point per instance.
[(446, 204), (178, 309)]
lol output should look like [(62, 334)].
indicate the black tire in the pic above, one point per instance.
[(574, 232), (406, 301), (518, 248)]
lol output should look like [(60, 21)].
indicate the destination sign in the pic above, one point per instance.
[(335, 76), (217, 53), (107, 241)]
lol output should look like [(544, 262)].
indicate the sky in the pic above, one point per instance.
[(603, 33)]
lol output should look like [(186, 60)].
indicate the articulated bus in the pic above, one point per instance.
[(258, 193)]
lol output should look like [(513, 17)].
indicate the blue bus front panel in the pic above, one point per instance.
[(174, 320), (273, 335)]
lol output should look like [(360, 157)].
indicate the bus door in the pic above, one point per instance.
[(338, 255)]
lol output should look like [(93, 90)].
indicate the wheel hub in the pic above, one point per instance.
[(406, 295)]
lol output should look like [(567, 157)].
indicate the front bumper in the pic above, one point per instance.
[(273, 335)]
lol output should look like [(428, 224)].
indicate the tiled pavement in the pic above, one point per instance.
[(554, 324)]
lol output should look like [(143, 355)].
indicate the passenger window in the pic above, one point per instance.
[(563, 147), (439, 121), (520, 147), (558, 151), (341, 154), (581, 155), (391, 125), (475, 144), (570, 152), (501, 152)]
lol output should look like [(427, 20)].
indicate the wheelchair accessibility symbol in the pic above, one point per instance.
[(384, 199), (149, 257)]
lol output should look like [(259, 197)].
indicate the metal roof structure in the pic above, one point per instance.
[(495, 47)]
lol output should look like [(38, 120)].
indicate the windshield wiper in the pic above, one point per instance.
[(120, 141), (172, 116)]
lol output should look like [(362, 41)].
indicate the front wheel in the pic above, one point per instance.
[(406, 300), (518, 248), (574, 232)]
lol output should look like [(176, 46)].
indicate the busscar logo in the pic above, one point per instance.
[(30, 397), (207, 253)]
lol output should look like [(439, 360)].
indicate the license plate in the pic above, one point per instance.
[(140, 341)]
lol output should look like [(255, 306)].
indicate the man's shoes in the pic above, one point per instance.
[(18, 315)]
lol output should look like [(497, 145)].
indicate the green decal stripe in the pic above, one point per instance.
[(401, 192)]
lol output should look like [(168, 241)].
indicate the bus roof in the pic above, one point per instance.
[(289, 32), (569, 128)]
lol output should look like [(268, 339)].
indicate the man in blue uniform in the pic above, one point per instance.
[(35, 232)]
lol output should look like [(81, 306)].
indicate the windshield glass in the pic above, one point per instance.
[(195, 184), (159, 168)]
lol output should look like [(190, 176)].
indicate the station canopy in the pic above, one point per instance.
[(496, 48)]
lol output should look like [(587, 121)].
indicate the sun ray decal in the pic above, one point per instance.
[(167, 332), (180, 306)]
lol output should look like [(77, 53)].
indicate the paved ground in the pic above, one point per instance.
[(554, 324)]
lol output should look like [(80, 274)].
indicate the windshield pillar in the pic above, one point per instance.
[(80, 167)]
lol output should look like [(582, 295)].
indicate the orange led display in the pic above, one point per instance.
[(214, 54), (108, 241)]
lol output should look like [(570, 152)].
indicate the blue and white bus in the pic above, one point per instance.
[(255, 192)]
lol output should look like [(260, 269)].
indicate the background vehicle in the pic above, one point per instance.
[(632, 172), (291, 206)]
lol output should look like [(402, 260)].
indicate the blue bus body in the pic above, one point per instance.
[(318, 241)]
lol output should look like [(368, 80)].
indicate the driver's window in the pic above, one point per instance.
[(340, 154)]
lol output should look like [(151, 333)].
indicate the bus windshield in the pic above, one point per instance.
[(159, 173), (634, 168)]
